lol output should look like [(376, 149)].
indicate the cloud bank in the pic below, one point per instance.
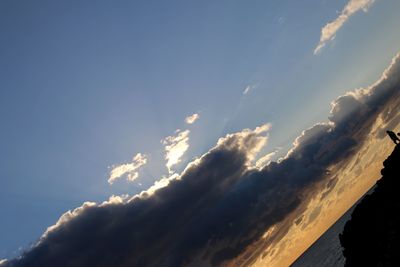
[(329, 31), (219, 206), (130, 170)]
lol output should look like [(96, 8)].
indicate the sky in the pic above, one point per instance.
[(132, 105)]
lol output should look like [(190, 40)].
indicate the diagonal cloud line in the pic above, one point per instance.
[(329, 31)]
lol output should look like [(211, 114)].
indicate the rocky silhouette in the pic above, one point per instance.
[(394, 137), (372, 237)]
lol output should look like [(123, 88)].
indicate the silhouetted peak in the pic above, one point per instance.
[(372, 237)]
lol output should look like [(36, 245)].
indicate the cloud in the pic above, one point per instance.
[(248, 89), (130, 170), (264, 160), (140, 226), (192, 118), (175, 147), (219, 209), (329, 31), (250, 140)]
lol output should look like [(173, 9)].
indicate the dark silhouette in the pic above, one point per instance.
[(372, 237), (394, 137)]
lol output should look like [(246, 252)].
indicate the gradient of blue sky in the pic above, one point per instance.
[(84, 86)]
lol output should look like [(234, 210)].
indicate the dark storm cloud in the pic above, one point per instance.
[(219, 206)]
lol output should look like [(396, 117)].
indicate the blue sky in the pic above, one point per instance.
[(85, 86)]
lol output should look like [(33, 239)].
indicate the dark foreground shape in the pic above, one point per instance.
[(394, 137), (372, 236)]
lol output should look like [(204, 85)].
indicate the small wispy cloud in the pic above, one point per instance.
[(249, 88), (329, 31), (192, 118), (130, 170), (175, 147), (264, 160)]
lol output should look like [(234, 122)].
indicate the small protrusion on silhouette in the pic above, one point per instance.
[(394, 137)]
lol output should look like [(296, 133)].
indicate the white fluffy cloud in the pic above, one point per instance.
[(329, 31), (175, 147), (264, 160), (251, 141), (192, 118), (130, 170)]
